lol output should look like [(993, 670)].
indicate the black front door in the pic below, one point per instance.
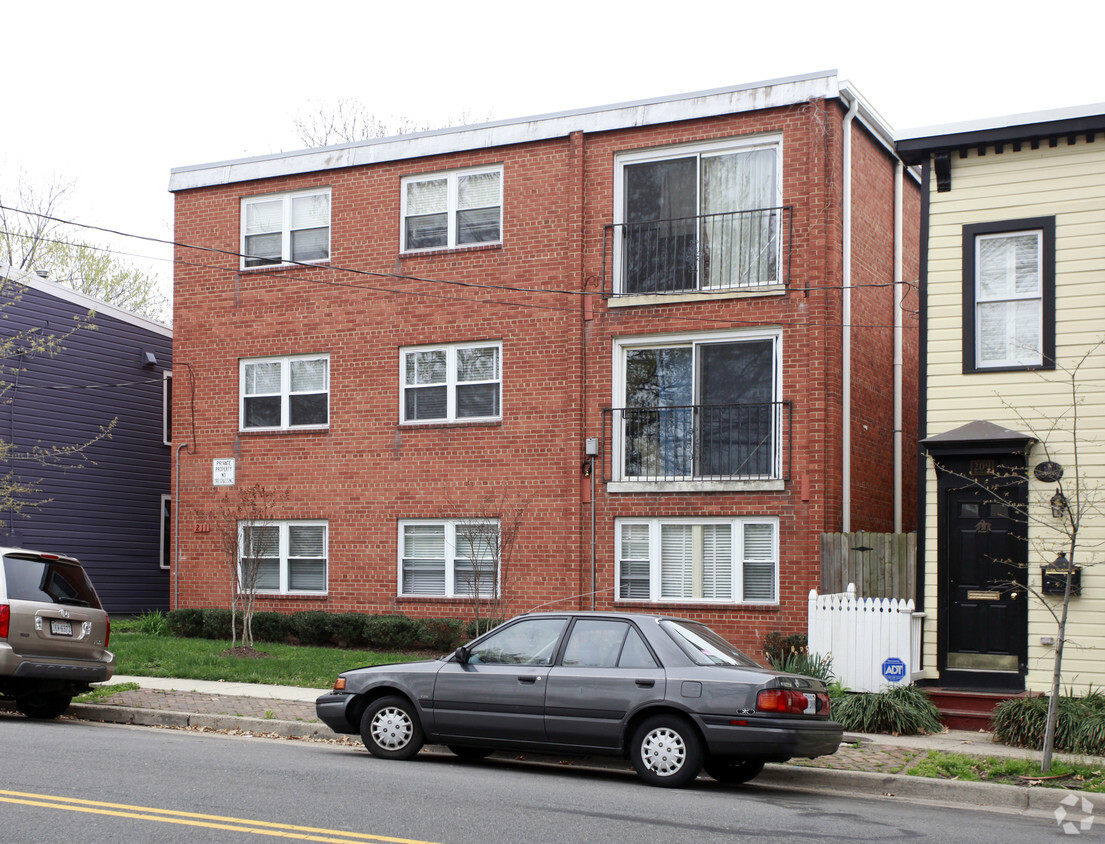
[(984, 596)]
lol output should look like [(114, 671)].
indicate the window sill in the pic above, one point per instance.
[(440, 250), (253, 432), (280, 268), (616, 487), (686, 606), (636, 300), (441, 423), (321, 596), (465, 601)]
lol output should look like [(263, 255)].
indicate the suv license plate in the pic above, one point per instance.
[(60, 628)]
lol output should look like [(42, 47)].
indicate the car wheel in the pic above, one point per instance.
[(390, 728), (43, 706), (470, 752), (666, 751), (733, 771)]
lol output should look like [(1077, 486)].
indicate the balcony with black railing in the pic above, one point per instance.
[(713, 253), (734, 442)]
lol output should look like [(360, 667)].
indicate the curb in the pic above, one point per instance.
[(987, 796)]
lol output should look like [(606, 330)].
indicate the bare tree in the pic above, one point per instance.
[(348, 120), (244, 521), (487, 529), (21, 483), (34, 238), (1077, 499)]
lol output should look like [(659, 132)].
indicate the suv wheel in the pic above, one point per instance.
[(44, 706)]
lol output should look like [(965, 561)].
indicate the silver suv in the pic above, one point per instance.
[(53, 632)]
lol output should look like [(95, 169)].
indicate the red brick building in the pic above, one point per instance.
[(439, 342)]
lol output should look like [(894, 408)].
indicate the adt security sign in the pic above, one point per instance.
[(893, 669)]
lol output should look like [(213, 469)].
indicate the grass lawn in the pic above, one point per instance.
[(146, 655)]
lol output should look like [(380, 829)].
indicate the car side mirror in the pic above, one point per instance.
[(461, 655)]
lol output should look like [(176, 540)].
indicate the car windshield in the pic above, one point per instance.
[(49, 581), (705, 646)]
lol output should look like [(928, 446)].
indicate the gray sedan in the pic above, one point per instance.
[(668, 693)]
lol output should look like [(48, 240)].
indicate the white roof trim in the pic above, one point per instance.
[(68, 294), (1025, 119), (758, 95)]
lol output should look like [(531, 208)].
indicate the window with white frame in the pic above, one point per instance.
[(167, 408), (1009, 295), (691, 561), (282, 557), (281, 228), (283, 393), (166, 531), (458, 208), (693, 407), (449, 558), (704, 217), (458, 382)]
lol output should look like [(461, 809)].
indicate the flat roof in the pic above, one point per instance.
[(771, 93)]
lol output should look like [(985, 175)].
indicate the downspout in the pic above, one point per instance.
[(846, 345), (899, 303), (176, 531)]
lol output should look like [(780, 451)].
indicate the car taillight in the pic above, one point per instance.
[(782, 700), (823, 704), (5, 617), (107, 633)]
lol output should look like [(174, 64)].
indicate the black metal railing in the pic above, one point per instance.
[(698, 442), (737, 250)]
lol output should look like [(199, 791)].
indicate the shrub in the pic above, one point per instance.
[(807, 664), (312, 627), (443, 634), (1079, 728), (153, 623), (393, 632), (271, 626), (347, 629), (778, 647), (902, 711), (216, 623), (186, 623)]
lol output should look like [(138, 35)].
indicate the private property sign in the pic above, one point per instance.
[(893, 669), (222, 471)]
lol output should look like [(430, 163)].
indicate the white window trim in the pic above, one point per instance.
[(166, 407), (621, 345), (285, 392), (1038, 297), (774, 141), (654, 525), (286, 228), (450, 526), (453, 180), (164, 563), (283, 525), (451, 382)]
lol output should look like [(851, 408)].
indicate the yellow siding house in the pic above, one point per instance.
[(1012, 405)]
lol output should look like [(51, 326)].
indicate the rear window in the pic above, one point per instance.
[(705, 646), (48, 581)]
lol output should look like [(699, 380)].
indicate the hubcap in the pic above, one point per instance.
[(391, 728), (663, 751)]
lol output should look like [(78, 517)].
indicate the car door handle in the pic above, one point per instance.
[(528, 680), (646, 684)]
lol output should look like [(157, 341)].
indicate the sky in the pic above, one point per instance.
[(112, 95)]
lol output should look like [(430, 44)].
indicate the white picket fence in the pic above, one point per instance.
[(875, 643)]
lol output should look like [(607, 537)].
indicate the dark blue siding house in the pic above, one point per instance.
[(112, 512)]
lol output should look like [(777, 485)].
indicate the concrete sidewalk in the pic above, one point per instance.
[(866, 765)]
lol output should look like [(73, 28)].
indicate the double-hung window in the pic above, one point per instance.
[(286, 227), (459, 382), (701, 218), (1009, 295), (698, 561), (450, 558), (698, 408), (447, 210), (283, 393), (282, 557)]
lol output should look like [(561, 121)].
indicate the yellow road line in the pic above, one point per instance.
[(148, 813)]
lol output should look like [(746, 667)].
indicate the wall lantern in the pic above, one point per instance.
[(1058, 504), (1054, 577)]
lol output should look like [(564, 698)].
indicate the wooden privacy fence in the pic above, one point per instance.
[(879, 564), (875, 643)]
